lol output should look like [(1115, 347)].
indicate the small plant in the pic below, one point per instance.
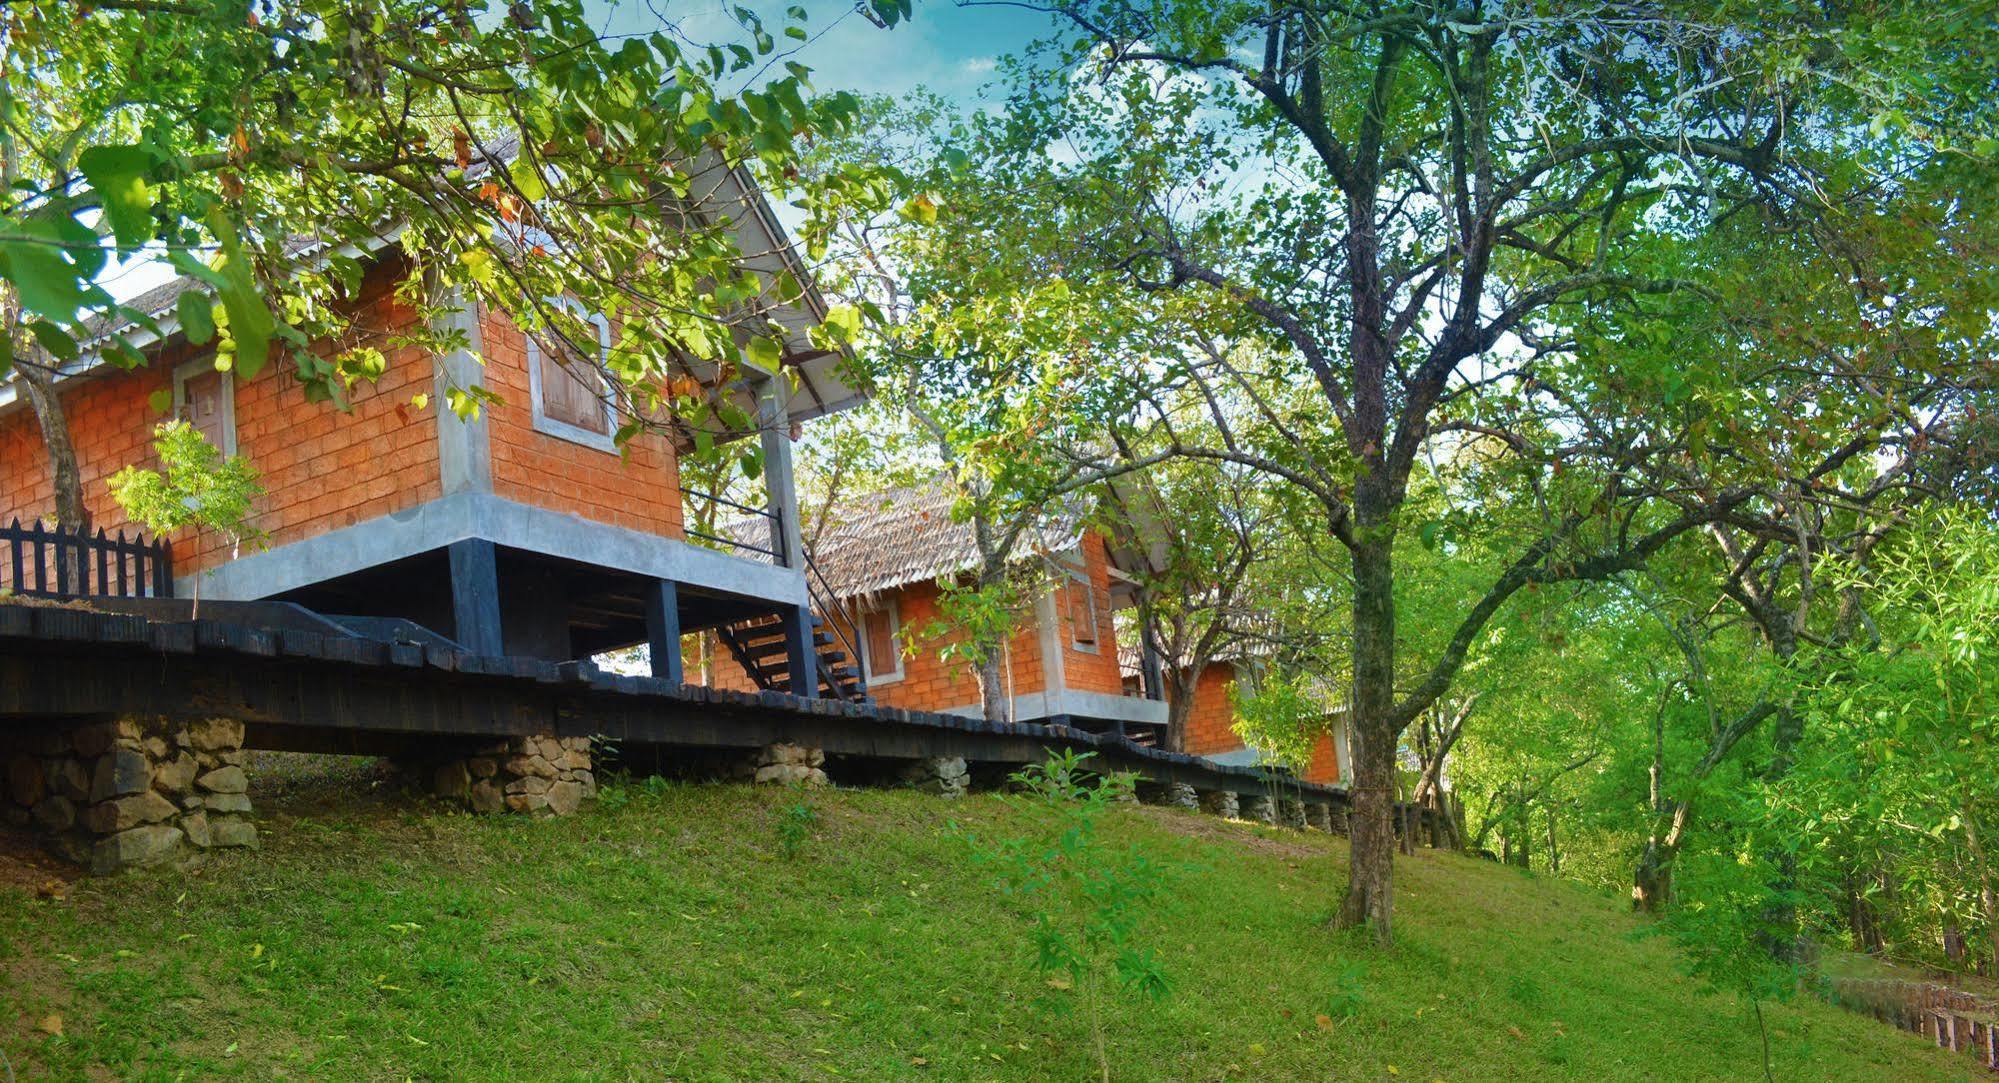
[(195, 486), (1349, 994), (794, 826), (1086, 899)]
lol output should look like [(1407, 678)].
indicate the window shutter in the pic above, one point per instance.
[(882, 659), (571, 393), (1083, 614), (201, 406)]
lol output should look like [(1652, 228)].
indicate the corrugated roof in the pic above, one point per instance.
[(889, 539)]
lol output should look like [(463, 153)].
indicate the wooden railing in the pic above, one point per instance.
[(45, 562), (1954, 1019)]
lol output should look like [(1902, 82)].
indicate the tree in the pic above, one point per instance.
[(195, 486), (1434, 215), (1218, 573), (515, 156)]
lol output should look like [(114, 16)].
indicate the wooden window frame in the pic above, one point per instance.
[(891, 611), (188, 370), (1089, 594), (562, 430)]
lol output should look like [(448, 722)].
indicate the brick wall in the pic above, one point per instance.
[(1211, 725), (1085, 670), (928, 683), (640, 491), (1211, 721), (322, 469)]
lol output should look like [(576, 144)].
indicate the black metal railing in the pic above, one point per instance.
[(846, 628), (770, 528), (46, 562)]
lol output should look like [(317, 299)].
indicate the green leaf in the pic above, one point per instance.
[(844, 322), (51, 281), (764, 353), (250, 321), (54, 339), (197, 316), (527, 179), (921, 207), (118, 175), (161, 400)]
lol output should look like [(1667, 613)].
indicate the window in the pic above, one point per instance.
[(881, 644), (1083, 615), (571, 393), (206, 398)]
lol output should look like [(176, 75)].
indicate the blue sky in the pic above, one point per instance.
[(947, 48)]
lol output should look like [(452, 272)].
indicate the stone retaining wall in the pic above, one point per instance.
[(539, 775), (128, 791)]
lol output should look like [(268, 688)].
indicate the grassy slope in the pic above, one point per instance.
[(667, 938)]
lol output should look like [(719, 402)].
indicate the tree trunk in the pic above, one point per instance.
[(1785, 943), (1554, 850), (1370, 873), (1652, 881), (1178, 685), (992, 689), (72, 514)]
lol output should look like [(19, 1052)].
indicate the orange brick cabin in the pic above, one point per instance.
[(1211, 722), (883, 556), (522, 531)]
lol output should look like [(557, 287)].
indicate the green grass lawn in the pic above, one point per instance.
[(669, 938)]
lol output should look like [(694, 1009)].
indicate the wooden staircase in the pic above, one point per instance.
[(758, 646)]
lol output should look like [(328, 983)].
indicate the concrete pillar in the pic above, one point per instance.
[(663, 630), (944, 776), (1260, 809), (1221, 803), (128, 791)]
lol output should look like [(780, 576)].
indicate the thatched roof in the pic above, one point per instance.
[(889, 539)]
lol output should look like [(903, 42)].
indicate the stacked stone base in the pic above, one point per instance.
[(944, 776), (129, 791), (1291, 813), (1319, 817), (785, 764), (1173, 795), (541, 775), (1260, 809), (1222, 803)]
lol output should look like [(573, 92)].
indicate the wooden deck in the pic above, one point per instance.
[(308, 691)]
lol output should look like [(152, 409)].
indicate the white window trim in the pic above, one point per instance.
[(188, 371), (893, 612), (1095, 646), (563, 430)]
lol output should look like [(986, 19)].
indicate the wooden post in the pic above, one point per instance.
[(663, 630), (475, 596)]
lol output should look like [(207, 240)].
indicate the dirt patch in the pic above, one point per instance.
[(1276, 842), (25, 866)]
